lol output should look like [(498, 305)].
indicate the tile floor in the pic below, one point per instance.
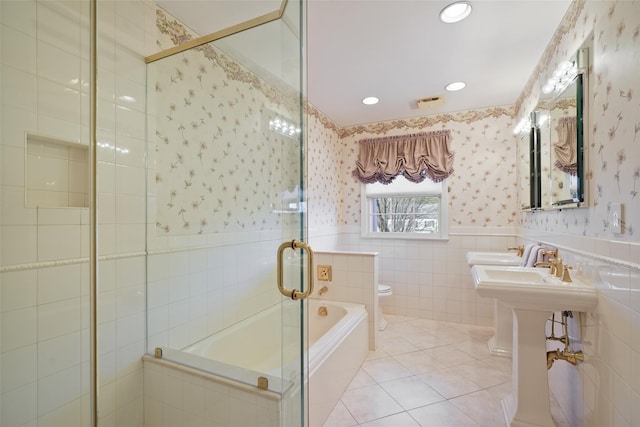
[(428, 373)]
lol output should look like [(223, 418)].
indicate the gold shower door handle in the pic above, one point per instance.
[(295, 294)]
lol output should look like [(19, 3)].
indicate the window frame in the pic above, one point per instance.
[(443, 213)]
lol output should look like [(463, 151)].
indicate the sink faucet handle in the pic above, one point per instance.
[(520, 250), (559, 265), (565, 274)]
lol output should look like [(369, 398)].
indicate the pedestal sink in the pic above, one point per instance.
[(493, 258), (533, 296), (500, 342)]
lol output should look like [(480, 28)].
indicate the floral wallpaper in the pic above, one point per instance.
[(483, 188), (613, 126), (325, 164), (219, 166)]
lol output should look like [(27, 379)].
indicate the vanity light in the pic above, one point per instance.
[(561, 78), (523, 125), (452, 87), (370, 100), (455, 12)]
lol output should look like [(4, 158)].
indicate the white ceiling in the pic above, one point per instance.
[(399, 51)]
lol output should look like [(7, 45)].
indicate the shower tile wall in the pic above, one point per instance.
[(44, 270)]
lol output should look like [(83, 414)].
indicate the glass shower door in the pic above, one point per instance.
[(225, 189)]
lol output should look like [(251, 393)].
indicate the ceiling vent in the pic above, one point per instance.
[(430, 103)]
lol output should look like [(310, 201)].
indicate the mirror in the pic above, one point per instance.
[(566, 165), (524, 171), (558, 121), (559, 139)]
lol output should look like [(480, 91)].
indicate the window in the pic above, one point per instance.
[(403, 209)]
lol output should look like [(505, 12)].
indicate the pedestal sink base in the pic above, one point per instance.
[(528, 404), (501, 342), (508, 412)]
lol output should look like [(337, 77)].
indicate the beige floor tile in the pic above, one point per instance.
[(412, 392), (419, 362), (484, 375), (396, 345), (340, 417), (483, 407), (450, 356), (449, 382), (399, 420), (361, 379), (443, 414), (387, 369), (475, 348), (370, 403), (377, 354)]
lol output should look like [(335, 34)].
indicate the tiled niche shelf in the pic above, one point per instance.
[(56, 173)]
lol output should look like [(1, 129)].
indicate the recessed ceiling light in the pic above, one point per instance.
[(455, 12), (452, 87), (370, 100)]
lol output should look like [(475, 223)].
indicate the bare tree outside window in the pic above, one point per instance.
[(418, 214)]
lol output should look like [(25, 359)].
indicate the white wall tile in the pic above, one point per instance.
[(18, 328), (129, 238), (18, 88), (20, 16), (66, 415), (58, 25), (19, 367), (18, 50), (19, 406), (58, 65), (58, 318), (59, 128), (58, 242), (58, 354), (19, 290), (59, 283), (58, 389), (58, 101)]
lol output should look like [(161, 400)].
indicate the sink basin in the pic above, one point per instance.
[(532, 289), (493, 258), (533, 295)]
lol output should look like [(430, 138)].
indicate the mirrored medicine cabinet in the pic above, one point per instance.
[(552, 163)]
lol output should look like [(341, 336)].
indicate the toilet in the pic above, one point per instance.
[(384, 291)]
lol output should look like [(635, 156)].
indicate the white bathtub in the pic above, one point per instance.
[(338, 344)]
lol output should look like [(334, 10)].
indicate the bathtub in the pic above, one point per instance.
[(233, 359)]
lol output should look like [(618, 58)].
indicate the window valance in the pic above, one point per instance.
[(417, 156), (566, 147)]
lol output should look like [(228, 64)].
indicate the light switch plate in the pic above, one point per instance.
[(324, 273), (616, 218)]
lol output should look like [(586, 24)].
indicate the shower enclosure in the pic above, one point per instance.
[(197, 161), (225, 186)]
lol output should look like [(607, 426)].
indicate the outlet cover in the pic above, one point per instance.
[(324, 273), (616, 218)]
